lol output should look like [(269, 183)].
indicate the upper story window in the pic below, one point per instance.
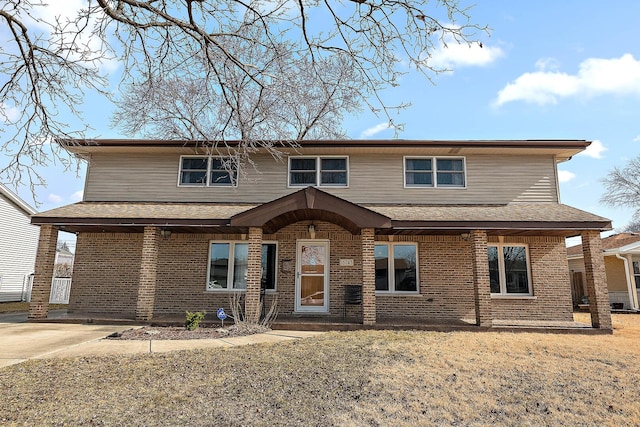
[(447, 172), (207, 171), (318, 171), (509, 269)]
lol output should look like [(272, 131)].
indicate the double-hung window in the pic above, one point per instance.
[(318, 171), (208, 171), (229, 264), (396, 266), (444, 172), (509, 269), (636, 273)]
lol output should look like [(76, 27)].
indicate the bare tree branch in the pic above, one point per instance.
[(623, 189), (49, 63)]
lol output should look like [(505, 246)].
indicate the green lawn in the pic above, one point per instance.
[(347, 379)]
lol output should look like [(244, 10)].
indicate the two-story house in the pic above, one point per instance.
[(432, 231)]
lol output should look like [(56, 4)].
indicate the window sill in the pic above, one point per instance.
[(398, 293), (229, 291), (522, 297)]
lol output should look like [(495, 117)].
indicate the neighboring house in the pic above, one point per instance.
[(622, 266), (433, 231), (64, 256), (18, 245)]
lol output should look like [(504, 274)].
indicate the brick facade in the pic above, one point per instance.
[(148, 274), (550, 281), (368, 276), (596, 280), (481, 287), (107, 275), (45, 257), (252, 295)]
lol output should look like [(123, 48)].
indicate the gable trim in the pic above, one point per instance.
[(310, 203)]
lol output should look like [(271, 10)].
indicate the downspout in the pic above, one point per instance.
[(633, 297), (633, 282)]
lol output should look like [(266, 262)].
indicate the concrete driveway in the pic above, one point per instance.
[(20, 341)]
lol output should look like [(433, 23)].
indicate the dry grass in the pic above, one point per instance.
[(347, 379)]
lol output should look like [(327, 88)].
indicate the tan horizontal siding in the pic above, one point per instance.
[(373, 178)]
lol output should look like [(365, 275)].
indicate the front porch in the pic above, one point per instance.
[(144, 269)]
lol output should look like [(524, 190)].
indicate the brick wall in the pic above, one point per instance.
[(106, 273), (106, 276), (446, 282), (550, 281)]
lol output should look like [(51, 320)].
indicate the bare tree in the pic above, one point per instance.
[(50, 62), (623, 189), (296, 105)]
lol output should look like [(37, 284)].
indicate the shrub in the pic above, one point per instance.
[(194, 319)]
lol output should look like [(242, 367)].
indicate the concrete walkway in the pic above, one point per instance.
[(21, 341)]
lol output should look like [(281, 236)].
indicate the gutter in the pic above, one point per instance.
[(633, 296)]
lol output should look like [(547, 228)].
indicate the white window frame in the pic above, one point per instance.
[(391, 268), (208, 183), (318, 172), (502, 274), (636, 276), (231, 267), (434, 172)]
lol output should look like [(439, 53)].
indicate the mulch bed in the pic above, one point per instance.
[(182, 333)]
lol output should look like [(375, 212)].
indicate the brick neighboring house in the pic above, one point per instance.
[(622, 266), (432, 231)]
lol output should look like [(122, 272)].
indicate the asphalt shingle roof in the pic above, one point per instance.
[(541, 212), (612, 242)]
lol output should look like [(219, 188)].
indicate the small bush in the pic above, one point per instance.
[(194, 319)]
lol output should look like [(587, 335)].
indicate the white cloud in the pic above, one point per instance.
[(595, 150), (375, 130), (636, 139), (77, 196), (596, 76), (54, 198), (8, 112), (564, 176), (463, 55), (41, 16), (544, 64)]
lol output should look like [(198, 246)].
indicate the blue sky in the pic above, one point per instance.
[(550, 69)]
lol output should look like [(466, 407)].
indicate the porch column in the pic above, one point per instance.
[(148, 272), (368, 277), (596, 280), (254, 276), (45, 258), (481, 285)]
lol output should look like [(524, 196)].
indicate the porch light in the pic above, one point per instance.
[(165, 233), (312, 231), (464, 236)]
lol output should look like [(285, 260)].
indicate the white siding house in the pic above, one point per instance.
[(18, 245)]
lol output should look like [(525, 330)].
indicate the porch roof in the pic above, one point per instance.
[(547, 218)]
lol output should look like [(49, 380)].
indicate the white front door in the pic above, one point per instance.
[(312, 276)]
